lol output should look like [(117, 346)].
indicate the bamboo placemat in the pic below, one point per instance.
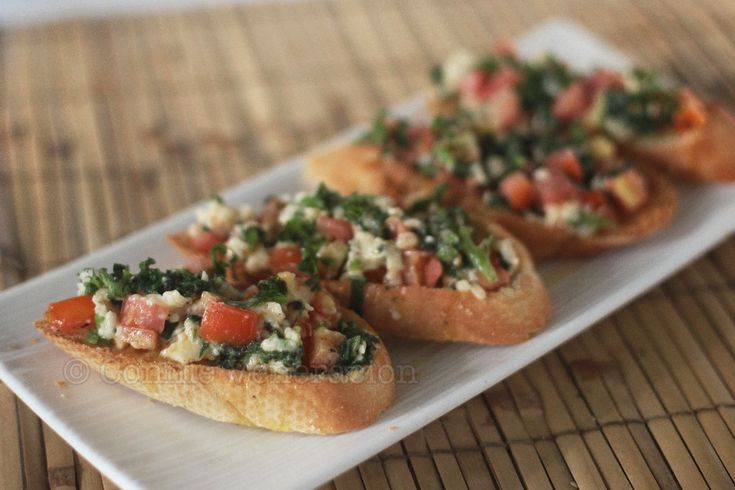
[(108, 125)]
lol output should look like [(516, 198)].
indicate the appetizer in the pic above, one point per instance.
[(421, 273), (561, 193), (666, 125), (278, 355)]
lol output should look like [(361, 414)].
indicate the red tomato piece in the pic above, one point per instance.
[(504, 108), (285, 259), (414, 267), (474, 86), (227, 324), (205, 240), (433, 271), (572, 102), (504, 78), (395, 225), (594, 198), (375, 275), (72, 314), (554, 187), (566, 160), (142, 312), (691, 112), (603, 79), (337, 229), (504, 47), (518, 190), (307, 340), (325, 310)]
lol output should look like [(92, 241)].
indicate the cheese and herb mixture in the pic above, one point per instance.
[(278, 325), (360, 239), (501, 92)]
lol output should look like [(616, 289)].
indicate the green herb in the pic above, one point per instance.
[(217, 253), (648, 109), (362, 210), (357, 294), (424, 204), (391, 134), (253, 235), (232, 357), (93, 338), (323, 198), (298, 229), (273, 289), (479, 256), (217, 198), (349, 349)]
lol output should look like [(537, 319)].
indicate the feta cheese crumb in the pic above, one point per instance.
[(217, 216), (407, 240), (271, 312), (257, 261), (290, 342), (186, 345)]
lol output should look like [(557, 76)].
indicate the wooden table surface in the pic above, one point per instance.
[(108, 125)]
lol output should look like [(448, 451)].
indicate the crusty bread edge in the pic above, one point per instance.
[(702, 154), (313, 404), (511, 314)]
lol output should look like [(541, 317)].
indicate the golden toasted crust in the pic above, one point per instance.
[(544, 241), (702, 154), (511, 314), (314, 404), (362, 168)]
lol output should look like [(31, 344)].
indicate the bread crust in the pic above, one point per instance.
[(312, 404), (546, 241), (509, 315), (701, 154), (543, 241)]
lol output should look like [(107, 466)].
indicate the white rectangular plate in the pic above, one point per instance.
[(140, 443)]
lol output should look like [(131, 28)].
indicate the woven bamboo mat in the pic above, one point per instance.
[(109, 125)]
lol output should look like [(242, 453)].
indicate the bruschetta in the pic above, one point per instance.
[(664, 125), (278, 355), (564, 193), (422, 273)]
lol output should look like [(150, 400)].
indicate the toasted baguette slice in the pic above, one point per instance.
[(362, 168), (701, 154), (313, 404), (506, 316), (398, 181), (546, 241)]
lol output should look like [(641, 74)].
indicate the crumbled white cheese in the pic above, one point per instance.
[(456, 67), (413, 223), (101, 302), (83, 279), (197, 308), (271, 312), (255, 363), (296, 291), (257, 261), (335, 251), (477, 173), (367, 252), (478, 291), (508, 252), (217, 216), (291, 341), (562, 214), (393, 265), (463, 285), (176, 304), (106, 329), (361, 351), (186, 346), (291, 210), (496, 166), (407, 240)]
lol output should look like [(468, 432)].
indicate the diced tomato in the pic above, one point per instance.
[(518, 190), (138, 338), (595, 198), (142, 312), (603, 79), (691, 112), (285, 259), (504, 108), (72, 314), (337, 229), (227, 324), (205, 240), (307, 340), (554, 187), (629, 189), (565, 159), (572, 102), (478, 85), (376, 275), (433, 271)]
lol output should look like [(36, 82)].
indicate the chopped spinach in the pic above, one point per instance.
[(362, 210)]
